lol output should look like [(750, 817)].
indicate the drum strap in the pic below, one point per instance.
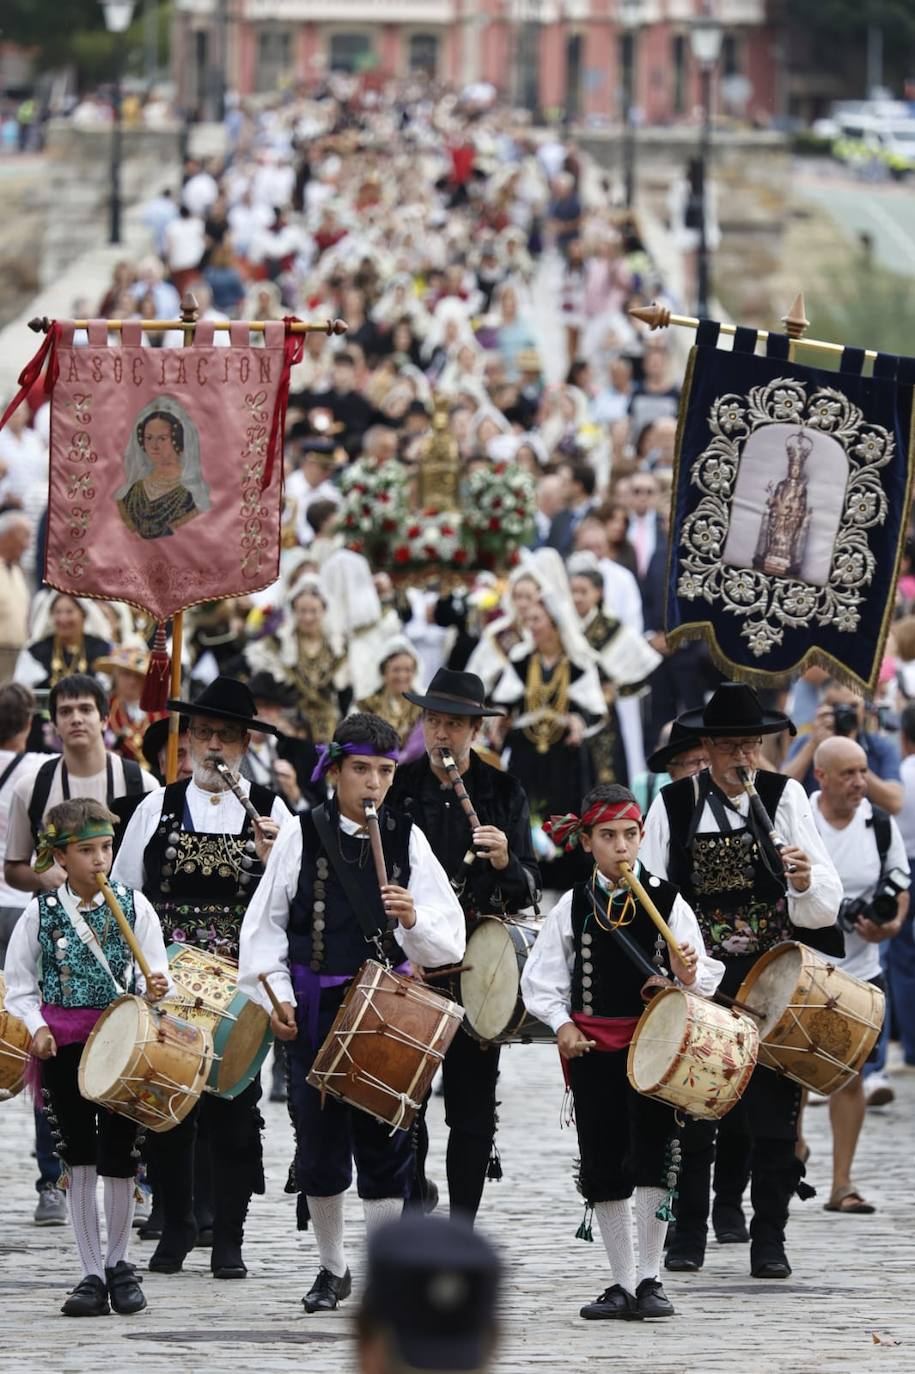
[(86, 933), (354, 894)]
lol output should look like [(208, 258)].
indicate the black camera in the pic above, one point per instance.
[(844, 719), (881, 907)]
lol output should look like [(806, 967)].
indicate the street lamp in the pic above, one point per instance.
[(630, 20), (118, 15), (705, 36)]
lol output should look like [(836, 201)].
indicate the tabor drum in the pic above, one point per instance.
[(820, 1023), (144, 1064), (692, 1054), (387, 1040), (206, 994), (495, 1013), (14, 1049)]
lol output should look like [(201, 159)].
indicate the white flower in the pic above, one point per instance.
[(689, 587), (760, 637), (741, 587), (846, 620), (870, 446), (787, 404)]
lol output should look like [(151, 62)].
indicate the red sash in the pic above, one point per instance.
[(610, 1033)]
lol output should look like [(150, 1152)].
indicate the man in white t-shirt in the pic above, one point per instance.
[(869, 854), (79, 710)]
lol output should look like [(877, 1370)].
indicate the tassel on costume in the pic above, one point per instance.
[(156, 683), (584, 1231), (671, 1177)]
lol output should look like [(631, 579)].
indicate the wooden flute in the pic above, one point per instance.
[(759, 810), (460, 791), (235, 787), (133, 944), (374, 829), (638, 890)]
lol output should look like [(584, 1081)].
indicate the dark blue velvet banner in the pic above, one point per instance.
[(790, 507)]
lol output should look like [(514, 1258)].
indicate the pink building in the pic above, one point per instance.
[(559, 57)]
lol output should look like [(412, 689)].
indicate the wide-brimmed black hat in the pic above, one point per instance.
[(455, 694), (225, 698), (268, 689), (735, 709), (155, 738), (678, 742)]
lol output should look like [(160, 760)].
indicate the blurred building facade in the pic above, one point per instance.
[(565, 58)]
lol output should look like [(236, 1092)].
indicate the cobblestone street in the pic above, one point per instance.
[(851, 1286)]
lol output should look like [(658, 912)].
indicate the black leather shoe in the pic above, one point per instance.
[(771, 1268), (124, 1287), (88, 1299), (172, 1250), (652, 1301), (226, 1260), (732, 1237), (614, 1304), (730, 1226), (683, 1261), (327, 1291)]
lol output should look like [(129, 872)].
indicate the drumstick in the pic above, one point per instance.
[(236, 789), (274, 1000), (636, 887), (374, 829), (133, 943)]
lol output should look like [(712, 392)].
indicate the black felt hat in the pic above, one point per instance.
[(455, 694), (155, 738), (225, 698), (679, 741), (734, 709)]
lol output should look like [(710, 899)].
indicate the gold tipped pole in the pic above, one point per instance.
[(41, 324), (636, 887), (657, 316)]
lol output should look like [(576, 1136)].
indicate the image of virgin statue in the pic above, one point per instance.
[(165, 487)]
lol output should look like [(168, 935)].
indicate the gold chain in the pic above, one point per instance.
[(62, 665), (551, 698)]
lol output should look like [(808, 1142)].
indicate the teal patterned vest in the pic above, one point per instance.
[(71, 976)]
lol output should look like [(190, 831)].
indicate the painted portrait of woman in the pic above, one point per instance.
[(165, 486)]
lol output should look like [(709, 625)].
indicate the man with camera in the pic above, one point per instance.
[(867, 849), (842, 713)]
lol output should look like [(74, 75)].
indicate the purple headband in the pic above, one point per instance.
[(329, 754)]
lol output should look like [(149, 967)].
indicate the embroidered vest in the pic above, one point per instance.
[(740, 906), (605, 981), (324, 933), (201, 882), (71, 976)]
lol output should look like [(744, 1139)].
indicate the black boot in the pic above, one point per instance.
[(466, 1162), (775, 1176), (686, 1251), (175, 1184), (232, 1192), (730, 1179)]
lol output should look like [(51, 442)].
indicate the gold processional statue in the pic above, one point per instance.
[(786, 519), (439, 465)]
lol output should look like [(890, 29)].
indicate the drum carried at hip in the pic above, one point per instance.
[(206, 994), (386, 1043), (490, 984), (14, 1049), (817, 1024)]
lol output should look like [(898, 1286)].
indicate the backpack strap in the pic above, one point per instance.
[(133, 779), (10, 768), (44, 780)]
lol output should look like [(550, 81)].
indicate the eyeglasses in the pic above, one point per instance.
[(226, 734), (732, 747)]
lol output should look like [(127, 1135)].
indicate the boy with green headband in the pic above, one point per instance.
[(67, 962)]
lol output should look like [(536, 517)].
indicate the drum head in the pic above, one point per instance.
[(490, 986), (771, 985), (658, 1039), (111, 1048)]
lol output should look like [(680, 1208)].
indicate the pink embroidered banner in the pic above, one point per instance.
[(166, 466)]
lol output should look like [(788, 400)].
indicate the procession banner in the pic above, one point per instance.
[(790, 503), (166, 464)]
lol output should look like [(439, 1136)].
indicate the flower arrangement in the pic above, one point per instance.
[(376, 520)]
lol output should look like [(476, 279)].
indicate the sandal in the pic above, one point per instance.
[(851, 1195)]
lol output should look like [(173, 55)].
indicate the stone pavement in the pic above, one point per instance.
[(852, 1277)]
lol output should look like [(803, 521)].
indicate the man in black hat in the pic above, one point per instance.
[(197, 855), (680, 756), (430, 1299), (703, 836), (502, 880)]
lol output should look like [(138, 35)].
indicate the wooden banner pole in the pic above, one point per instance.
[(190, 313), (658, 316), (41, 325)]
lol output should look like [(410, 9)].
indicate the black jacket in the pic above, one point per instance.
[(499, 800)]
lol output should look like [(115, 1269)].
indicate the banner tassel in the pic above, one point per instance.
[(155, 685)]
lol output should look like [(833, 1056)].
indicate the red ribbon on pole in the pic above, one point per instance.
[(293, 351), (32, 371)]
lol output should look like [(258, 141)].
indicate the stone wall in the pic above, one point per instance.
[(751, 174), (78, 165)]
